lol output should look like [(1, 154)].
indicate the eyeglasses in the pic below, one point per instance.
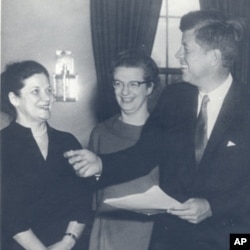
[(133, 85)]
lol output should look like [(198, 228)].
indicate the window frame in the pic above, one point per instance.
[(169, 72)]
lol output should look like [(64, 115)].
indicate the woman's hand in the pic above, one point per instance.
[(67, 243), (29, 241)]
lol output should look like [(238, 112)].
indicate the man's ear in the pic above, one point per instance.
[(215, 56), (13, 99)]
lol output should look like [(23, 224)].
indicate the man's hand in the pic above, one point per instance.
[(193, 210), (84, 162)]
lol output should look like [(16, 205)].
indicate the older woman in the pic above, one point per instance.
[(44, 204), (134, 77)]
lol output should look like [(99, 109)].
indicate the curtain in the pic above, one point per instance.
[(119, 25), (239, 8)]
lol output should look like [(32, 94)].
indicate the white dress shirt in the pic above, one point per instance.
[(216, 98)]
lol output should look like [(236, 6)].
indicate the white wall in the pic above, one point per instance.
[(35, 29)]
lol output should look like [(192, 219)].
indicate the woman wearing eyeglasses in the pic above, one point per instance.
[(135, 75)]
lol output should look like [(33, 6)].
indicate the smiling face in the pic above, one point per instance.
[(131, 101), (194, 60), (33, 105)]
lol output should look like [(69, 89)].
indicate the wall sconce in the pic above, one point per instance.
[(64, 78)]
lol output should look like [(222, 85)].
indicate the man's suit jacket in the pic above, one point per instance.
[(222, 176)]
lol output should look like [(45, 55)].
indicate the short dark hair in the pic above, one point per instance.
[(137, 58), (215, 30), (12, 81)]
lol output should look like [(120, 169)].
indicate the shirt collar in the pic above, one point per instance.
[(220, 92)]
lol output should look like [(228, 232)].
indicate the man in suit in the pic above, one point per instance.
[(199, 135)]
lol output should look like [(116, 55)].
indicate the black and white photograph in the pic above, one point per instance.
[(125, 125)]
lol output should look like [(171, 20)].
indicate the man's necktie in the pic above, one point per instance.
[(201, 130)]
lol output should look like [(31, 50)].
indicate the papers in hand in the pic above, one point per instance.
[(153, 201)]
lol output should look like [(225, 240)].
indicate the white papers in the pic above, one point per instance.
[(154, 200)]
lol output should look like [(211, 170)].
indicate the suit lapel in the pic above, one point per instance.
[(224, 119)]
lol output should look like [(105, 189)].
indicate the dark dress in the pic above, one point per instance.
[(44, 195)]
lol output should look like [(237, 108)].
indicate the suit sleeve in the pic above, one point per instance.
[(140, 159)]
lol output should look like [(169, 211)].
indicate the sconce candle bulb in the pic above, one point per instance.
[(64, 78)]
